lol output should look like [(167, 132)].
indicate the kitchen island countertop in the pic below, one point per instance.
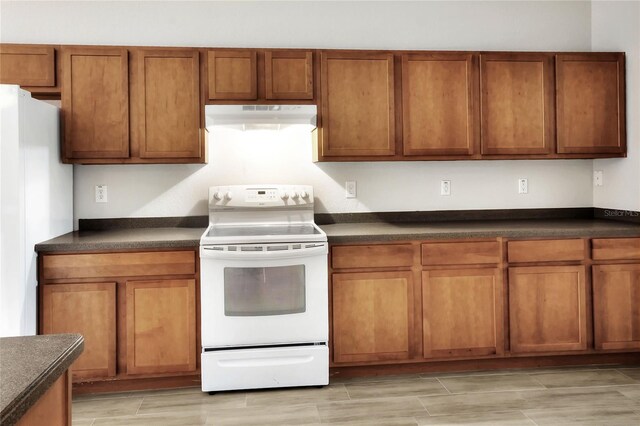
[(29, 365)]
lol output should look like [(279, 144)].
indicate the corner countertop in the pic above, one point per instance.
[(339, 233), (535, 228), (29, 365), (123, 239)]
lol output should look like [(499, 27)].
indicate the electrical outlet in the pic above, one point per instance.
[(445, 187), (351, 189), (523, 186), (598, 179), (101, 193)]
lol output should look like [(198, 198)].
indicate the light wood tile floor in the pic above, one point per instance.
[(560, 396)]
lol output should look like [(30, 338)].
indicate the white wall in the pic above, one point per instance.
[(616, 26), (180, 189)]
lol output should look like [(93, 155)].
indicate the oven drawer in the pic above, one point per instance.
[(265, 368)]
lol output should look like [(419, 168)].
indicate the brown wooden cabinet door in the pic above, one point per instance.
[(372, 316), (95, 102), (591, 103), (288, 74), (462, 313), (161, 326), (167, 93), (27, 65), (232, 74), (88, 309), (616, 306), (358, 111), (439, 97), (547, 309), (517, 107)]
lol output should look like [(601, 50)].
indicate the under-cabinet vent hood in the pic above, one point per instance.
[(248, 117)]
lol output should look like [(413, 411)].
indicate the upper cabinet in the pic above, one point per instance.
[(232, 74), (358, 105), (146, 104), (517, 105), (132, 105), (30, 66), (261, 76), (167, 95), (288, 74), (95, 103), (591, 103), (439, 94)]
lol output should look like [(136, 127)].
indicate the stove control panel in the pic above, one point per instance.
[(253, 196)]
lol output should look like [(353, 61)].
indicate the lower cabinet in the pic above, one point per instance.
[(616, 306), (548, 309), (372, 316), (161, 326), (88, 309), (462, 313), (137, 311)]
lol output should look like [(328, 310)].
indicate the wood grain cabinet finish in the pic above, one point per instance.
[(546, 250), (161, 326), (616, 305), (27, 65), (615, 249), (372, 316), (168, 101), (95, 103), (232, 74), (461, 253), (548, 310), (288, 74), (462, 313), (358, 104), (100, 265), (439, 104), (591, 103), (517, 105), (372, 256), (88, 309)]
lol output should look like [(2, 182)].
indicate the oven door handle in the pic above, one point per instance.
[(222, 252)]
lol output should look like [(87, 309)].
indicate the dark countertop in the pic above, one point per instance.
[(547, 228), (177, 237), (29, 365), (122, 239)]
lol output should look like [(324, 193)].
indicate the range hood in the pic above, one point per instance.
[(248, 117)]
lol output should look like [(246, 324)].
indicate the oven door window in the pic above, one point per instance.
[(253, 292)]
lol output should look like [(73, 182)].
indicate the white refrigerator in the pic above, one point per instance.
[(36, 201)]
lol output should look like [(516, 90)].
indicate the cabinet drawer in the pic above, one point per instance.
[(67, 266), (461, 253), (616, 248), (374, 256), (546, 250)]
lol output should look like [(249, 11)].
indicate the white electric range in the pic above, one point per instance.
[(264, 289)]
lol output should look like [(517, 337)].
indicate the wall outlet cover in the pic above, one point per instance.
[(101, 193), (523, 186), (351, 189), (445, 187), (598, 178)]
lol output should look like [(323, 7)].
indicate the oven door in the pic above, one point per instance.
[(263, 294)]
